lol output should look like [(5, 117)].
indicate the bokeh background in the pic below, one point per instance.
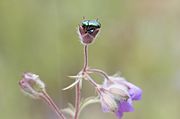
[(140, 39)]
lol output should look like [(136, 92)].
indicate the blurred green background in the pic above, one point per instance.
[(140, 39)]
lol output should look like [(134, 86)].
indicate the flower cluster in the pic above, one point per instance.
[(117, 94)]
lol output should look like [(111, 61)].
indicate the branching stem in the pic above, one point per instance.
[(78, 88)]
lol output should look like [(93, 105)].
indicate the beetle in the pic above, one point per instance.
[(88, 30), (91, 25)]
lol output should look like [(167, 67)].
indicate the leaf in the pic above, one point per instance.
[(71, 106), (69, 110), (88, 101)]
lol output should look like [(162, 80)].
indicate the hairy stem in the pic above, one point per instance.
[(92, 81), (52, 104), (85, 58), (99, 72), (78, 88), (78, 99)]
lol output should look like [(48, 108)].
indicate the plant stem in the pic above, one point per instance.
[(99, 72), (78, 88), (52, 104), (92, 81), (85, 58), (78, 99)]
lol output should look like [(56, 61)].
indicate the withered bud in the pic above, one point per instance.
[(32, 85)]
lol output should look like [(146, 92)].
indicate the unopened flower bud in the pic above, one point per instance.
[(32, 85), (108, 102), (88, 31)]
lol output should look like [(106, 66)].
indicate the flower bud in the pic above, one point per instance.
[(108, 102), (32, 85), (88, 31), (111, 97)]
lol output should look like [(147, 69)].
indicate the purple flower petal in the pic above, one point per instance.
[(123, 93), (119, 114), (126, 106), (134, 91)]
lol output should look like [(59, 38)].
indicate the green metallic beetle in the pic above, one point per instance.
[(88, 31), (91, 25)]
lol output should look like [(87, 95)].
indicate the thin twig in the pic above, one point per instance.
[(78, 99), (91, 81), (85, 58), (52, 104), (99, 72)]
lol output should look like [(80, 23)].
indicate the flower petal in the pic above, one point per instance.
[(108, 103), (126, 106), (119, 114), (122, 92), (134, 91)]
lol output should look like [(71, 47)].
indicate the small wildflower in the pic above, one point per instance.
[(116, 95), (88, 31), (32, 85)]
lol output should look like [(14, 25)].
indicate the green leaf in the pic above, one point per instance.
[(70, 110), (88, 101)]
